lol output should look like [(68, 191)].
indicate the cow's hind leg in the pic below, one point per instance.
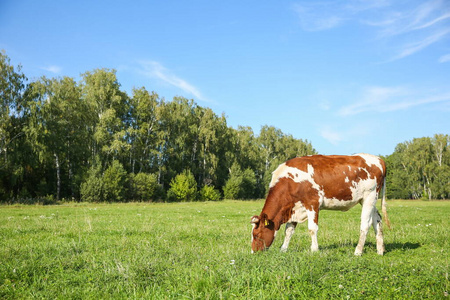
[(368, 207), (290, 228), (376, 222), (313, 227)]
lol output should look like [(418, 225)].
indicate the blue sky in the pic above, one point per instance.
[(349, 76)]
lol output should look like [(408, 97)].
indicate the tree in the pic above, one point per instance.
[(420, 169), (12, 119), (56, 129), (144, 130), (108, 117)]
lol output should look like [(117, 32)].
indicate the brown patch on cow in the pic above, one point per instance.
[(330, 173), (283, 196)]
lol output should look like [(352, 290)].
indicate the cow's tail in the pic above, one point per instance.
[(383, 205)]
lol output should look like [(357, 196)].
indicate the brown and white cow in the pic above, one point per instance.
[(302, 186)]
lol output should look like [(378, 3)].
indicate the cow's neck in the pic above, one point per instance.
[(278, 207)]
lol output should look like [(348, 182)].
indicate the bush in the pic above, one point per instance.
[(183, 187), (240, 185), (209, 193), (115, 182), (144, 187), (92, 189)]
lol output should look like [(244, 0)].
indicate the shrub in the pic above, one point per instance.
[(92, 189), (115, 182), (240, 185), (183, 187), (209, 193), (144, 187)]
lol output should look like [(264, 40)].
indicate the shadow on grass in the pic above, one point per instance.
[(388, 247), (401, 246)]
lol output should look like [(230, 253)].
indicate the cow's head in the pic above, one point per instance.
[(263, 233)]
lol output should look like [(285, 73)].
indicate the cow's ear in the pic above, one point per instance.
[(266, 221), (255, 220)]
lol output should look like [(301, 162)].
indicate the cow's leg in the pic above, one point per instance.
[(368, 207), (290, 228), (376, 223), (313, 228)]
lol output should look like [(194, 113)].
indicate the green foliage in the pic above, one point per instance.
[(115, 183), (145, 187), (209, 193), (55, 131), (183, 187), (134, 251), (240, 185), (92, 188), (420, 169)]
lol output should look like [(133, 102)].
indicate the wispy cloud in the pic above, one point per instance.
[(53, 69), (330, 135), (414, 47), (156, 70), (337, 133), (444, 58), (409, 29), (387, 99)]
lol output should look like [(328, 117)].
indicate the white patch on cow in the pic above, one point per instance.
[(371, 160), (298, 213), (347, 180), (361, 189), (295, 174), (338, 204), (313, 228)]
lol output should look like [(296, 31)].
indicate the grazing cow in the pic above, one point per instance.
[(302, 186)]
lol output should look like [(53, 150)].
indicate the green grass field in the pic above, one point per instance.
[(202, 251)]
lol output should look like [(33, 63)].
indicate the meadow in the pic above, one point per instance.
[(201, 250)]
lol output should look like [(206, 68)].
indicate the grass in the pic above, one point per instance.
[(202, 251)]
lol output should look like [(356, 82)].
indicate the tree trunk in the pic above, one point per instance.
[(58, 176)]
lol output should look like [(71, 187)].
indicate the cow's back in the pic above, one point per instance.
[(341, 181)]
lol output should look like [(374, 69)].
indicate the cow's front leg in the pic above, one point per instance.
[(290, 228), (313, 227)]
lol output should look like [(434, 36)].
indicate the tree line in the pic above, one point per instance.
[(90, 141), (420, 169)]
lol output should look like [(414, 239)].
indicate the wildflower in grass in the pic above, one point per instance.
[(341, 286), (232, 262)]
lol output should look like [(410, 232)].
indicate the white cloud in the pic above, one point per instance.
[(419, 45), (407, 28), (387, 99), (53, 69), (444, 58), (154, 69), (331, 135)]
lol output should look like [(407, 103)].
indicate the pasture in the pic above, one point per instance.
[(201, 250)]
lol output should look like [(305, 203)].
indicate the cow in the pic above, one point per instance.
[(302, 186)]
